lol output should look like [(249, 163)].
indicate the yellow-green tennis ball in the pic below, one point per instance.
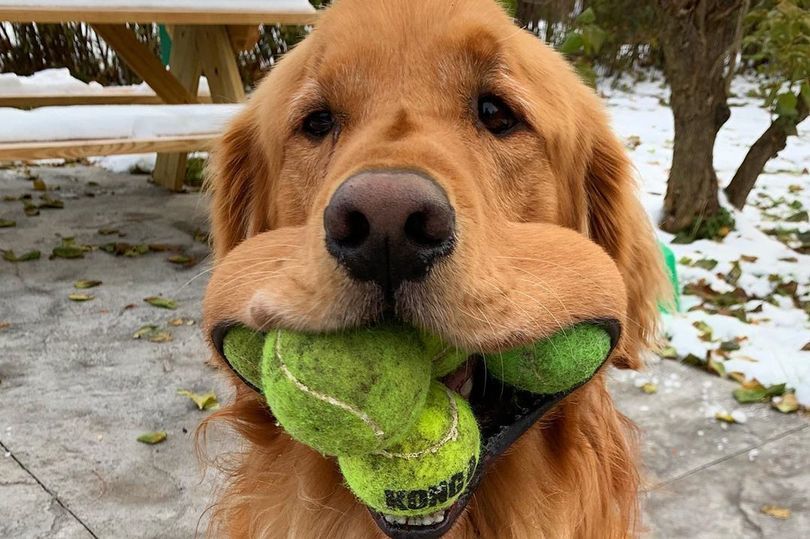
[(346, 393), (556, 364), (243, 348), (445, 358), (429, 469)]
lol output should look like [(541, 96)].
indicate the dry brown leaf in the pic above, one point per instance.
[(782, 513)]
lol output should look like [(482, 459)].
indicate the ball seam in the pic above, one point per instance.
[(361, 415)]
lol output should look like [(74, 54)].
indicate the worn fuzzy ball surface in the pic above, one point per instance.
[(444, 358), (347, 393), (559, 363), (429, 469), (243, 348)]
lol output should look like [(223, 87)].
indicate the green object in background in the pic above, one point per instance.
[(672, 271), (165, 44)]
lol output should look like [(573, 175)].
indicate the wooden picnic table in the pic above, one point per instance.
[(206, 35)]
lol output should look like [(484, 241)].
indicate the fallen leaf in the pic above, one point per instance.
[(81, 297), (204, 401), (164, 247), (68, 252), (748, 396), (632, 142), (30, 209), (705, 263), (39, 185), (794, 188), (716, 367), (183, 260), (798, 217), (704, 329), (649, 388), (787, 403), (161, 302), (85, 284), (153, 333), (10, 256), (782, 513), (725, 417), (748, 258), (4, 325), (729, 346), (200, 236), (152, 438), (806, 347), (107, 231), (7, 223), (50, 203), (181, 322), (668, 352)]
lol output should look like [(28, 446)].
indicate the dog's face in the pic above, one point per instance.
[(427, 161)]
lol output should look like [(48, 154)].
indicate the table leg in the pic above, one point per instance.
[(170, 169)]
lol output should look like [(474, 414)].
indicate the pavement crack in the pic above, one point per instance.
[(53, 496), (730, 456)]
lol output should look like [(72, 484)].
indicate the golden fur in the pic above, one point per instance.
[(402, 76)]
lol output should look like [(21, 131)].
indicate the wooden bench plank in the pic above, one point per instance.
[(94, 15), (28, 151), (108, 97)]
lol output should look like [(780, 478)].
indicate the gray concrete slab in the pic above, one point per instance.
[(76, 390)]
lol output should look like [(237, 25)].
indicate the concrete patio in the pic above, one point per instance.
[(76, 389)]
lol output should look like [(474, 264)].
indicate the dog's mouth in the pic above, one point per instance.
[(503, 414)]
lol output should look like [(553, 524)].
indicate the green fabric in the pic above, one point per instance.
[(346, 393), (165, 45), (429, 469), (561, 362), (672, 270)]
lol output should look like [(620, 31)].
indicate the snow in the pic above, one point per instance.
[(86, 122), (300, 6), (58, 81), (771, 343)]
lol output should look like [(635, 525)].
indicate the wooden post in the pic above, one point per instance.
[(218, 61), (170, 169)]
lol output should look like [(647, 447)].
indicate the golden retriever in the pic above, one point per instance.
[(428, 160)]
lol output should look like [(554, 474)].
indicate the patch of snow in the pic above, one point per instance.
[(770, 349)]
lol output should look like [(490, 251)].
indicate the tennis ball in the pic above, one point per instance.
[(556, 364), (243, 349), (346, 393), (429, 469), (445, 358)]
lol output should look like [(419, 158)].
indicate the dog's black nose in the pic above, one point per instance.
[(389, 227)]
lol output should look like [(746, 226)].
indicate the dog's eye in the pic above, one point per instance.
[(318, 124), (496, 115)]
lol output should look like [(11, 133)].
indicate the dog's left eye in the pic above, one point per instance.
[(318, 124), (496, 115)]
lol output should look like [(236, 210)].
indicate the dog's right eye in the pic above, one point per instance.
[(318, 124)]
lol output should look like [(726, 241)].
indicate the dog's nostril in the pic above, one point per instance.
[(355, 230), (427, 228)]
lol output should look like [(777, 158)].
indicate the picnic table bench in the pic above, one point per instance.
[(206, 36)]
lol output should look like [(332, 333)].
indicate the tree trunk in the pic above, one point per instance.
[(697, 39), (767, 146)]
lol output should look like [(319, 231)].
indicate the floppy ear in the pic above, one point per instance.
[(243, 171), (617, 221)]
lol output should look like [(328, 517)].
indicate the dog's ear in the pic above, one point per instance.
[(617, 221), (243, 172)]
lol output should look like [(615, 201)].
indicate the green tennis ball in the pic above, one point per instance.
[(429, 469), (243, 348), (346, 393), (445, 358), (558, 363)]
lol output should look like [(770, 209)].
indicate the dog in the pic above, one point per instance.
[(429, 161)]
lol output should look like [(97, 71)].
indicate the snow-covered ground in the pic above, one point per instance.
[(760, 284), (746, 308)]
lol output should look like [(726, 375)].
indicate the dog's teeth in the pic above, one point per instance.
[(400, 520), (389, 519)]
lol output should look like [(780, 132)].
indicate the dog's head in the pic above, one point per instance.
[(428, 161)]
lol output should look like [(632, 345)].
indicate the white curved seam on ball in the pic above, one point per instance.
[(450, 436), (361, 415)]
